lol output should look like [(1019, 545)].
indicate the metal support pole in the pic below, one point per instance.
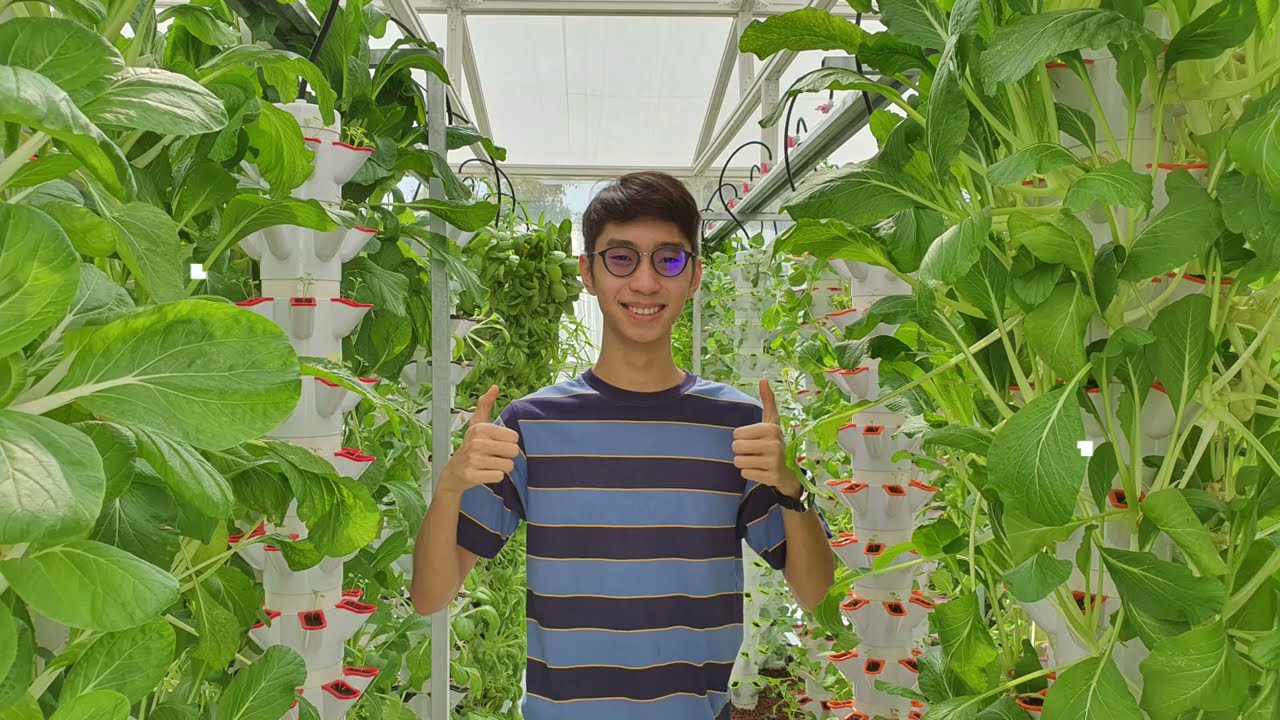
[(697, 333), (769, 92), (441, 384)]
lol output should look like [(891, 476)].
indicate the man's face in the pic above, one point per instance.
[(644, 305)]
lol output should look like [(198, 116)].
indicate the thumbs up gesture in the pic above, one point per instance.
[(487, 453), (759, 450)]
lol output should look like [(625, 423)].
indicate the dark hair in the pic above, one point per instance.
[(648, 195)]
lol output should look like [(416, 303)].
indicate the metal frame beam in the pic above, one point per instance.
[(749, 102), (633, 8), (589, 172), (845, 120), (716, 100)]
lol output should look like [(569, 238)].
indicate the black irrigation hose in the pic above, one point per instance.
[(315, 49), (496, 178), (725, 169), (799, 123), (720, 191), (751, 176), (786, 146)]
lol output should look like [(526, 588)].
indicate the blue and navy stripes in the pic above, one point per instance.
[(636, 517)]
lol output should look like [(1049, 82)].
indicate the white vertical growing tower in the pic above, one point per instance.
[(301, 274), (885, 496)]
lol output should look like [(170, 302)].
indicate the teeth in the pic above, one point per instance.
[(643, 311)]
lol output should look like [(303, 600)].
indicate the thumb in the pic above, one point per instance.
[(484, 406), (770, 403)]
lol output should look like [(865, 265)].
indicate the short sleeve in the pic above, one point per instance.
[(491, 513), (760, 524)]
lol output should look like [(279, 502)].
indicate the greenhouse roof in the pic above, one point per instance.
[(593, 88)]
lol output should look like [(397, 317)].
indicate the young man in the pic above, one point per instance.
[(638, 482)]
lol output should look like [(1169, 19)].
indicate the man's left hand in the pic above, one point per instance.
[(759, 450)]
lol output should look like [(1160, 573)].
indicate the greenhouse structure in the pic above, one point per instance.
[(1011, 270)]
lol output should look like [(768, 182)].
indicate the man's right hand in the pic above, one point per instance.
[(487, 453)]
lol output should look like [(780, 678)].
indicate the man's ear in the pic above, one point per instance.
[(584, 272), (696, 282)]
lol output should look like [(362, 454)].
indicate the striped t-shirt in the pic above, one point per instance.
[(636, 516)]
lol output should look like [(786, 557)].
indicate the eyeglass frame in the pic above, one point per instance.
[(692, 256)]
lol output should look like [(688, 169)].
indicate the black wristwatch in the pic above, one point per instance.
[(800, 504)]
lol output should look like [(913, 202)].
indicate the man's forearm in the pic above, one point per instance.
[(811, 567), (435, 555)]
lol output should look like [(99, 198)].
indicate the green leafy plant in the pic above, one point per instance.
[(1080, 216)]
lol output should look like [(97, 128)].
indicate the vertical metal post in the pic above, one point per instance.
[(441, 384), (769, 91), (746, 64), (700, 190)]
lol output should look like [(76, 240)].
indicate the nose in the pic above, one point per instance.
[(645, 279)]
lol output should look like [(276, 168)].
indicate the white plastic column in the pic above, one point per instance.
[(440, 380)]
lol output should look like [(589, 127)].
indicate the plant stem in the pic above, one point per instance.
[(121, 11), (999, 402), (1239, 598), (1244, 356), (10, 165), (194, 633)]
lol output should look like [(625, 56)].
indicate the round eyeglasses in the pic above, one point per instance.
[(668, 261)]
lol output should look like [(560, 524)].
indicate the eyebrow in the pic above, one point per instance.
[(620, 242)]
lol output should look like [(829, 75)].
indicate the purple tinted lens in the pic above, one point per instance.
[(621, 261), (670, 262)]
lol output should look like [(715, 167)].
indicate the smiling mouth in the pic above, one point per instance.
[(644, 310)]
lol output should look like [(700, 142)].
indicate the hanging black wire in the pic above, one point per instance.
[(315, 48), (723, 170), (720, 191), (497, 178), (801, 123), (751, 176), (786, 146)]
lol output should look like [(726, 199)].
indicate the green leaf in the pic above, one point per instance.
[(859, 195), (1026, 42), (1103, 469), (1055, 238), (799, 30), (1037, 577), (158, 101), (90, 233), (51, 481), (266, 689), (1256, 142), (281, 69), (946, 115), (147, 241), (1162, 589), (280, 154), (140, 521), (49, 166), (985, 285), (205, 186), (956, 708), (66, 52), (460, 136), (340, 513), (1092, 689), (1035, 160), (226, 375), (1006, 708), (86, 584), (202, 23), (1076, 124), (961, 437), (37, 278), (465, 216), (832, 239), (1183, 349), (966, 642), (97, 705), (118, 450), (8, 640), (131, 662), (1055, 330), (1222, 26), (953, 254), (192, 480), (1168, 510), (14, 684), (1186, 227), (1110, 185), (13, 377), (1034, 463), (1198, 670), (30, 99), (1265, 651), (98, 300), (248, 214), (919, 22), (220, 632), (1247, 210)]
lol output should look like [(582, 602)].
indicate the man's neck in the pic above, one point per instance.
[(639, 368)]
